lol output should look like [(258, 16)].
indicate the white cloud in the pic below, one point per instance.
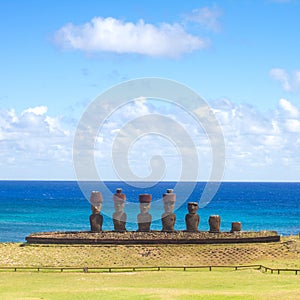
[(282, 76), (290, 82), (289, 108), (259, 146), (293, 125), (117, 36), (126, 123), (31, 142), (38, 110), (207, 17)]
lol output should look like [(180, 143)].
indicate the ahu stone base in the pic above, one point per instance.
[(152, 237)]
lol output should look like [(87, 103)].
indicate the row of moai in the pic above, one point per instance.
[(144, 219)]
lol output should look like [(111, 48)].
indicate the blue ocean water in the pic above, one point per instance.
[(35, 206)]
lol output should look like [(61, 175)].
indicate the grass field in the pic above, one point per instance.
[(219, 284), (166, 284), (281, 254)]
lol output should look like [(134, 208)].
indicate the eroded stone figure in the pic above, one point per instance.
[(192, 219), (96, 220), (168, 218), (236, 226), (119, 216), (214, 223), (144, 218)]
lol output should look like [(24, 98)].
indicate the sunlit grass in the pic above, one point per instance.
[(225, 283), (202, 284), (283, 254)]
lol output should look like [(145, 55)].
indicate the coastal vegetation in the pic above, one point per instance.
[(285, 253), (220, 283)]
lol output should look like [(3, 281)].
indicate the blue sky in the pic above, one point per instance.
[(240, 56)]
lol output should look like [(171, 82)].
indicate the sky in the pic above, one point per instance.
[(241, 57)]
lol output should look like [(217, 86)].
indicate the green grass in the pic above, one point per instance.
[(165, 284), (202, 284)]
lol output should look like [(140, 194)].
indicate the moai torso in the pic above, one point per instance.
[(119, 216), (144, 218), (192, 219), (144, 222), (96, 220), (119, 220), (168, 218), (168, 221)]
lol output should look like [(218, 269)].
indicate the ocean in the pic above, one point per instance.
[(36, 206)]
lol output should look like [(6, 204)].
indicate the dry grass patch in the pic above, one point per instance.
[(281, 254)]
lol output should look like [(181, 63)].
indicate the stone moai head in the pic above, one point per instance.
[(193, 207), (96, 202), (169, 199), (145, 203), (119, 200)]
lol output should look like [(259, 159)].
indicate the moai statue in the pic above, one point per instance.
[(192, 219), (119, 216), (214, 223), (144, 218), (236, 226), (168, 218), (96, 220)]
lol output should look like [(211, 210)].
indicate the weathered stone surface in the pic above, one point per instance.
[(168, 218), (96, 198), (214, 223), (144, 218), (119, 196), (192, 219), (152, 237), (145, 198), (236, 226), (144, 222), (168, 222), (96, 220), (119, 220), (119, 216)]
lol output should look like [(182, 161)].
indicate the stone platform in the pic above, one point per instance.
[(152, 237)]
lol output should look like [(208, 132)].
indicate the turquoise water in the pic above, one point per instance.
[(34, 206)]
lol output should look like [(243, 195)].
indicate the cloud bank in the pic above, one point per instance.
[(259, 146), (32, 143), (117, 36)]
